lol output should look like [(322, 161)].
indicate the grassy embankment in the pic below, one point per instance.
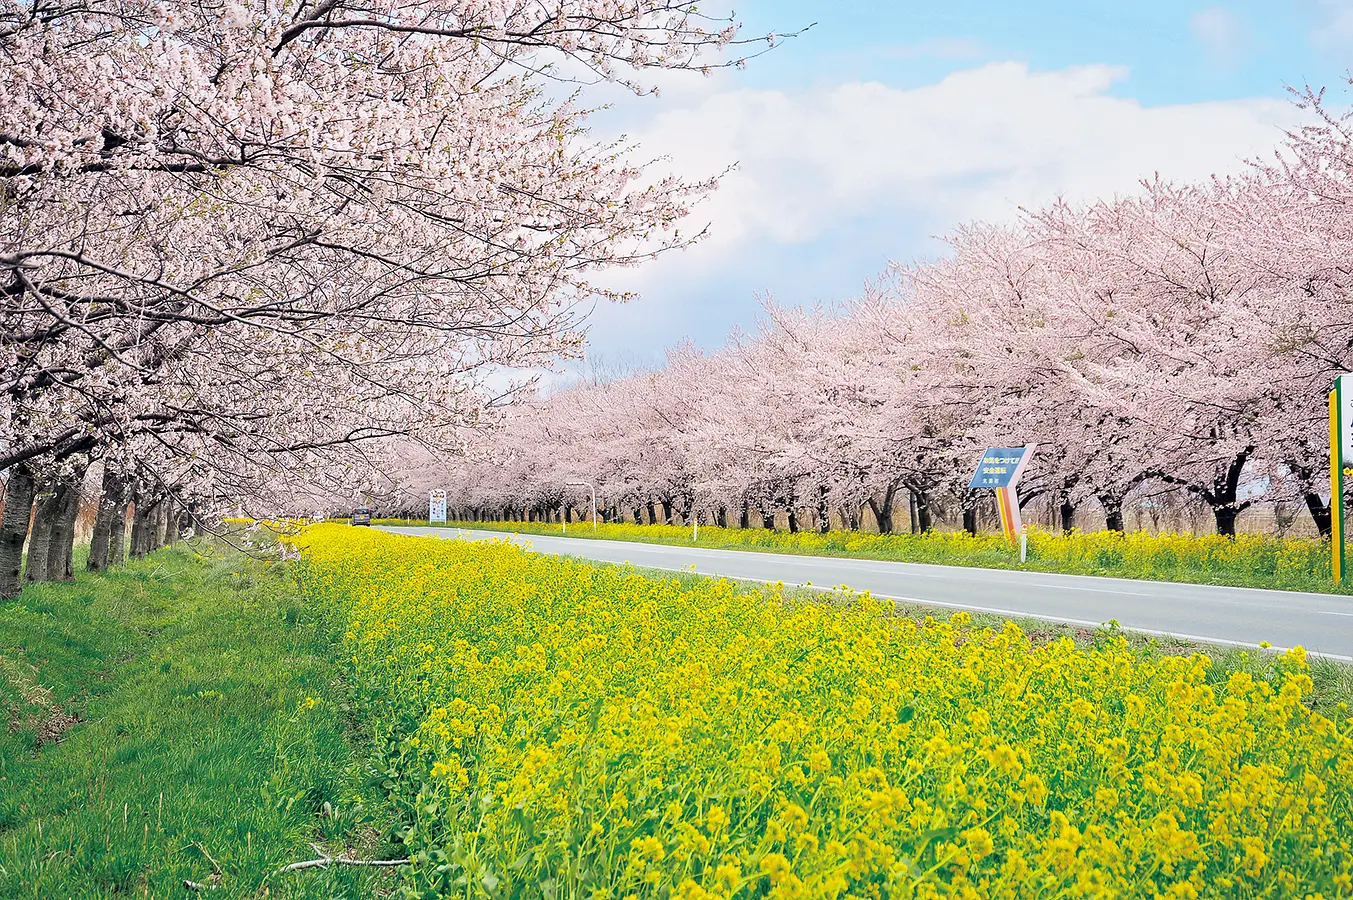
[(178, 719), (1259, 561)]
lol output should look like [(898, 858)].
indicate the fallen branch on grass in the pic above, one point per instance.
[(215, 866), (213, 880), (327, 860)]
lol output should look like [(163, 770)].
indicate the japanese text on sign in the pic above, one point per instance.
[(998, 467)]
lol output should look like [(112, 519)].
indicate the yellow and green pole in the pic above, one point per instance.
[(1337, 482)]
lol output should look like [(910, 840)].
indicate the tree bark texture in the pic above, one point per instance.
[(143, 527), (60, 558), (45, 512), (1068, 514), (925, 512), (1320, 513), (110, 498), (14, 528), (117, 531), (883, 510), (1113, 512)]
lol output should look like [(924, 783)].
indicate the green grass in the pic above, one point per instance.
[(1258, 561), (189, 676)]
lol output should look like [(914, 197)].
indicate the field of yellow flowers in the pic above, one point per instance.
[(1249, 560), (559, 729)]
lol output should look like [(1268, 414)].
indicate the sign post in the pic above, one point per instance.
[(436, 507), (1341, 465), (1000, 470)]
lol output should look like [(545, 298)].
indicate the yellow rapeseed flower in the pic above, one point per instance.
[(551, 722)]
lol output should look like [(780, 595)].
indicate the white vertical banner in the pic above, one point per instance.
[(1344, 385), (437, 507)]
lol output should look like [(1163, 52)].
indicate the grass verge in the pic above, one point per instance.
[(180, 718)]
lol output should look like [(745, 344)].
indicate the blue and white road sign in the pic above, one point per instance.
[(999, 468)]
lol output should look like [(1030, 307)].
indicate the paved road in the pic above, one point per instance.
[(1322, 623)]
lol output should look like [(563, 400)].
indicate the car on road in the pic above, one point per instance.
[(360, 516)]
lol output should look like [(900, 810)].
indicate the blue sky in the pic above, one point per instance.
[(890, 123), (1176, 51)]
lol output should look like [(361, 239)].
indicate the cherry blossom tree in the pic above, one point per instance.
[(389, 199), (1180, 339)]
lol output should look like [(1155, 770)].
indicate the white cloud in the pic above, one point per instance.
[(978, 144), (833, 182), (1221, 32)]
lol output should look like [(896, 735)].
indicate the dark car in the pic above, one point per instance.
[(361, 516)]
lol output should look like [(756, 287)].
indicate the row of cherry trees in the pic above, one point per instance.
[(1185, 336), (247, 246)]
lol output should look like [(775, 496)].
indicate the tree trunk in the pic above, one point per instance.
[(793, 519), (1320, 513), (850, 516), (142, 523), (109, 497), (1226, 519), (155, 536), (688, 511), (1225, 505), (722, 518), (666, 512), (824, 514), (45, 513), (1068, 513), (883, 511), (767, 518), (117, 531), (168, 517), (60, 558), (138, 525), (14, 528), (155, 531), (925, 514), (911, 512), (1113, 512), (745, 517), (881, 519), (1222, 494), (970, 512)]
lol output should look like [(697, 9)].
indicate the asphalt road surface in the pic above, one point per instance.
[(1322, 623)]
